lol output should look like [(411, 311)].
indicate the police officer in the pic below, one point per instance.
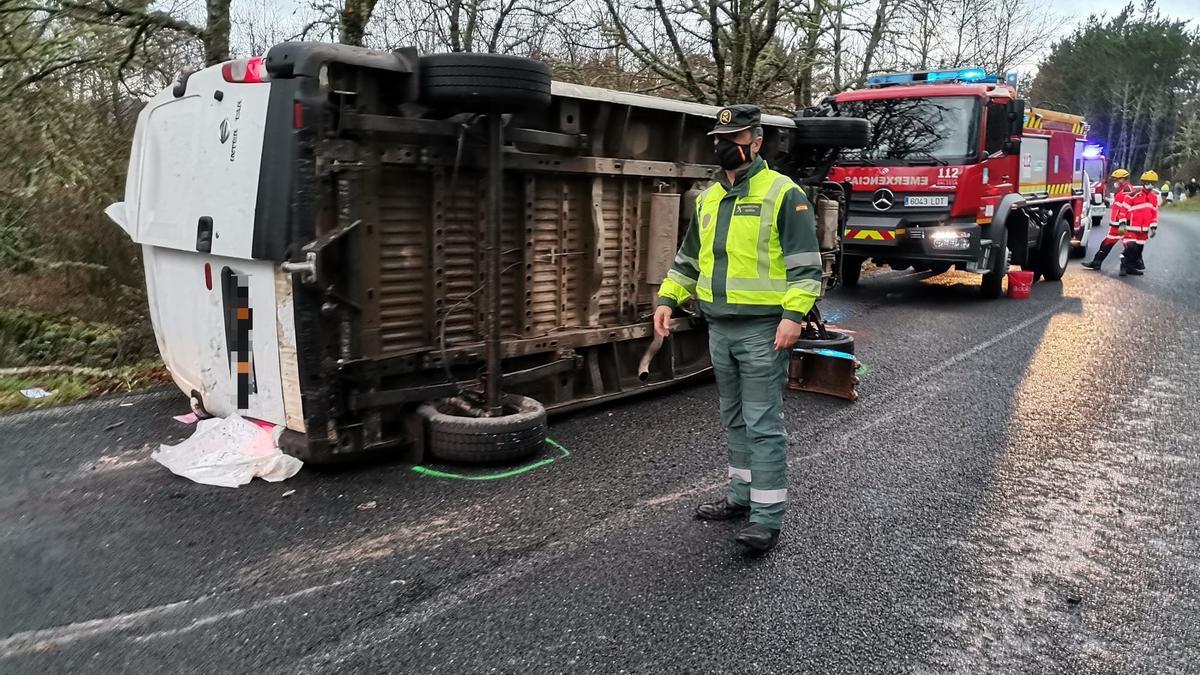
[(750, 257)]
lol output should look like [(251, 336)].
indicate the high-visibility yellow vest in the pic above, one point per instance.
[(753, 255)]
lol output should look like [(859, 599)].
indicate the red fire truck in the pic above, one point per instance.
[(959, 174)]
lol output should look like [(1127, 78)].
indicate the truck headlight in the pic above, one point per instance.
[(952, 240)]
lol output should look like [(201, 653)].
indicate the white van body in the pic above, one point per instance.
[(321, 207), (198, 156)]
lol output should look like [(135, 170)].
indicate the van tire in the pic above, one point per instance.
[(485, 440), (832, 132), (484, 82)]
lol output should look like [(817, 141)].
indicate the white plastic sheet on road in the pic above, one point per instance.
[(228, 452)]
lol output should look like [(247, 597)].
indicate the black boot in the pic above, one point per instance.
[(722, 509), (758, 538), (1135, 266), (1101, 254)]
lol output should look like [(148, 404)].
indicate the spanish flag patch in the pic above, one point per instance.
[(801, 207)]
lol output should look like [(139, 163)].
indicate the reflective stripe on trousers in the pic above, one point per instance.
[(750, 378)]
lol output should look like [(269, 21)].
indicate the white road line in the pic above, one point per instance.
[(45, 639), (233, 613)]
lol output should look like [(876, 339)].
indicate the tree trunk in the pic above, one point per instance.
[(808, 55), (216, 32), (837, 47), (877, 29), (354, 18), (1121, 154)]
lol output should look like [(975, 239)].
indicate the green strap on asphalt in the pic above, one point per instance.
[(434, 473)]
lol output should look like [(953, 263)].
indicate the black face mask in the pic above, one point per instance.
[(731, 155)]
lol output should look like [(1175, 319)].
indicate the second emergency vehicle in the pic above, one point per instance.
[(960, 174)]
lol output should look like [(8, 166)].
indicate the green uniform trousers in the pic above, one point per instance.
[(750, 379)]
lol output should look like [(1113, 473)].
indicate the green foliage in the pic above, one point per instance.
[(28, 339), (70, 387), (65, 160), (1190, 205), (1131, 76)]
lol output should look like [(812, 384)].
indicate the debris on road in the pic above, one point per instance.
[(36, 393), (227, 453), (367, 506), (287, 493), (114, 425), (189, 418)]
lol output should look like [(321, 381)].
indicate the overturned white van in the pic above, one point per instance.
[(315, 229)]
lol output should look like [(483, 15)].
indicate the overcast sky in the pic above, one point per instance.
[(1079, 9), (293, 13)]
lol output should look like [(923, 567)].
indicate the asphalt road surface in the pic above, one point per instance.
[(1016, 491)]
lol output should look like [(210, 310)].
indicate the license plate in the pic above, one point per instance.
[(930, 200)]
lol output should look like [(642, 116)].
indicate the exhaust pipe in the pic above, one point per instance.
[(644, 364)]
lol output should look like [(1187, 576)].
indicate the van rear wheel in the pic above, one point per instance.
[(484, 82), (456, 437)]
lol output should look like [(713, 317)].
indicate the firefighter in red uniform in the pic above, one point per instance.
[(1118, 216), (1142, 208)]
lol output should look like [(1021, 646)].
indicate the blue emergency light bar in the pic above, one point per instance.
[(1092, 151), (957, 75)]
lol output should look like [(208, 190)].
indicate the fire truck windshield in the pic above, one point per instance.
[(940, 130)]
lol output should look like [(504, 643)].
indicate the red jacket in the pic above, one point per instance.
[(1120, 210), (1142, 207)]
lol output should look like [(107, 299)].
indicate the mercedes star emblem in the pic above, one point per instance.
[(883, 199)]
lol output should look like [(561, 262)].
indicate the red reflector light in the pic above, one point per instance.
[(246, 71), (298, 116), (208, 276)]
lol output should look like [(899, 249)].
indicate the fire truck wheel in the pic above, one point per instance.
[(992, 285), (456, 438), (838, 341), (484, 82), (851, 270), (1052, 262), (832, 132)]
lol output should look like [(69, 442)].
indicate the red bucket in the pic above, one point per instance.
[(1020, 282)]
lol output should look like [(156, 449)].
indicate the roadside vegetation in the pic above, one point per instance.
[(1191, 205)]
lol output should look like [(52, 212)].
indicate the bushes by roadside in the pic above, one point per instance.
[(29, 339)]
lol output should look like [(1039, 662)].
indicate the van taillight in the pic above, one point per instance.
[(246, 71)]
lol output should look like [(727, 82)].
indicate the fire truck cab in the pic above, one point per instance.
[(960, 174)]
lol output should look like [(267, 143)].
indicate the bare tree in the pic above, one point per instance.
[(715, 51), (995, 34), (136, 21)]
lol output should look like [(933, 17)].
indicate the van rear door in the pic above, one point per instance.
[(201, 156)]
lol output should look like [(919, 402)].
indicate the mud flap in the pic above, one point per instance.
[(823, 371)]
